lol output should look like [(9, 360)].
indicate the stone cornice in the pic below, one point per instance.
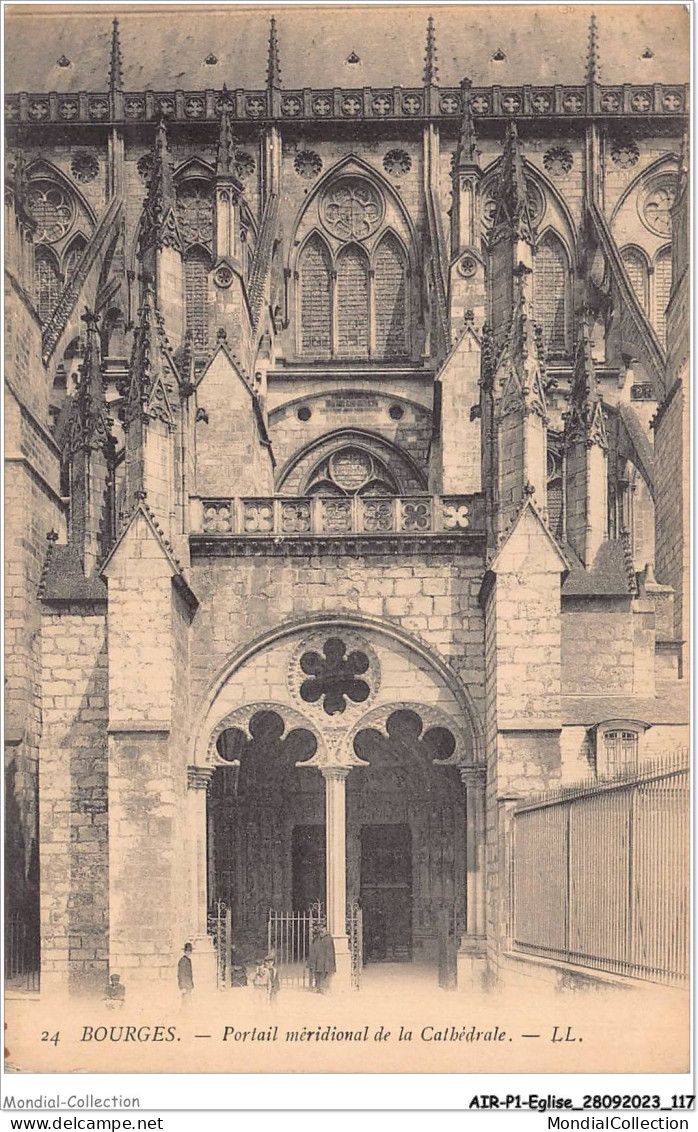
[(470, 544)]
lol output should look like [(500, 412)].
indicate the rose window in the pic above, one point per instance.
[(558, 161), (52, 210), (307, 163), (656, 206), (351, 209), (625, 153), (195, 214), (334, 676), (397, 162), (536, 205)]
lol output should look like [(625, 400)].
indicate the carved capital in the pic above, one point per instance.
[(473, 777), (198, 777), (334, 773)]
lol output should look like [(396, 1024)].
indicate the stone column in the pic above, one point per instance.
[(336, 867), (472, 950), (204, 957)]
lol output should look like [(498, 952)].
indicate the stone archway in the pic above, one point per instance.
[(386, 763)]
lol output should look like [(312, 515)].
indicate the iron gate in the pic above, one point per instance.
[(356, 942), (220, 928), (21, 954), (289, 935)]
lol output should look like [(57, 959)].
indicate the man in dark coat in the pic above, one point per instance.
[(321, 960), (185, 975)]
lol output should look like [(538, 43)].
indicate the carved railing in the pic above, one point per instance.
[(433, 103), (293, 516)]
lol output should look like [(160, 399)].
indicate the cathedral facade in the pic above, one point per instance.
[(346, 437)]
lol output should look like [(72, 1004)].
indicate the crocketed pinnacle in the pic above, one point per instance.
[(116, 76), (584, 421), (90, 425), (467, 152), (513, 208), (160, 206), (273, 61), (145, 377), (431, 65), (592, 63)]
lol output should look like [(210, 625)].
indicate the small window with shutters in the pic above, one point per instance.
[(617, 750), (550, 293), (662, 292)]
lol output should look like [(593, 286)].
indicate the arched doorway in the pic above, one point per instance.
[(338, 790)]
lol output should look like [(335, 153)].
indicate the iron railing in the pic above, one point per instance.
[(338, 515), (600, 873), (22, 965), (289, 935)]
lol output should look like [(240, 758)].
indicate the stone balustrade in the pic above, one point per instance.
[(370, 103), (293, 516)]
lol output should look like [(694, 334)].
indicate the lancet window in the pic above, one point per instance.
[(550, 293), (195, 217), (636, 267), (353, 283), (47, 282), (662, 291), (59, 242)]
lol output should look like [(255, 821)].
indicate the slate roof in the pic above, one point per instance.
[(608, 577), (63, 578), (165, 49)]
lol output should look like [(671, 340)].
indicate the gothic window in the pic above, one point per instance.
[(47, 283), (352, 303), (636, 268), (662, 291), (390, 299), (195, 213), (351, 471), (315, 299), (550, 286), (52, 209), (196, 267)]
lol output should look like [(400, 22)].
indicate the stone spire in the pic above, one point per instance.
[(592, 61), (90, 425), (273, 62), (467, 153), (523, 353), (160, 207), (585, 421), (513, 212), (116, 76), (431, 65), (146, 394)]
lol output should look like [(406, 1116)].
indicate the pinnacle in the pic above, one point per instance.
[(273, 61), (116, 76), (431, 66), (592, 62)]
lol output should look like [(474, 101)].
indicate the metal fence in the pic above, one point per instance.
[(22, 965), (600, 873)]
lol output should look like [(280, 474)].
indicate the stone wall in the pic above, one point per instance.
[(73, 799), (597, 645)]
